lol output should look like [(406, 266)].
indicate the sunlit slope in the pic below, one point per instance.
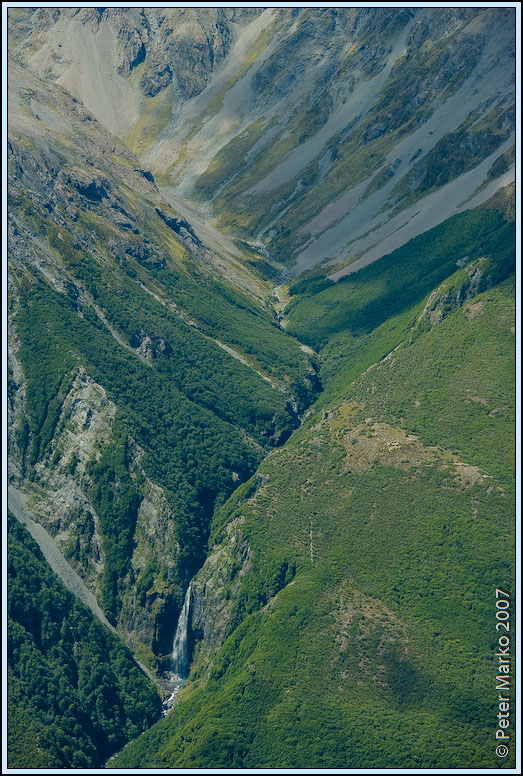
[(321, 309), (344, 607)]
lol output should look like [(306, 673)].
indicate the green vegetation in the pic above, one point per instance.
[(309, 286), (445, 389), (116, 501), (127, 309), (75, 693), (201, 416), (362, 301), (196, 366), (189, 450), (219, 310), (363, 628), (224, 313), (502, 163)]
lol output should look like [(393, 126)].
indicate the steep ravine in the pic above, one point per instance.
[(87, 416), (153, 379), (205, 591), (207, 612), (227, 564), (126, 322)]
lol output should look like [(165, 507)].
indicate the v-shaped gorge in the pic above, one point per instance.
[(146, 384), (313, 559)]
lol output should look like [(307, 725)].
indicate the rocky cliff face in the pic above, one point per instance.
[(138, 52), (215, 592)]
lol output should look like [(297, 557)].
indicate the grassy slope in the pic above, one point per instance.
[(364, 631)]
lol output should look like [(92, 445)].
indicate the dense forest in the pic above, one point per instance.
[(75, 692)]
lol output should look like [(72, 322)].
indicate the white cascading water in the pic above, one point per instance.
[(180, 658)]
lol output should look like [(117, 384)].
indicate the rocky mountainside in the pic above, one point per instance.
[(114, 59), (260, 372), (324, 134)]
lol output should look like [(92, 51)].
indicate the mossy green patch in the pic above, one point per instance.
[(155, 118)]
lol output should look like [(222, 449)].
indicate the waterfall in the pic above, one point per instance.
[(180, 657)]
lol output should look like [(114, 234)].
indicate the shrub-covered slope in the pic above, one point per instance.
[(344, 616)]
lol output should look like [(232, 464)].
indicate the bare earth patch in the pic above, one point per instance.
[(473, 310), (369, 444), (379, 443)]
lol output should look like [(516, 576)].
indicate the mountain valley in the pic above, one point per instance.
[(261, 385)]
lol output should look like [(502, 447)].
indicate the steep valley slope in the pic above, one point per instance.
[(342, 616), (129, 357), (323, 134), (320, 488)]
